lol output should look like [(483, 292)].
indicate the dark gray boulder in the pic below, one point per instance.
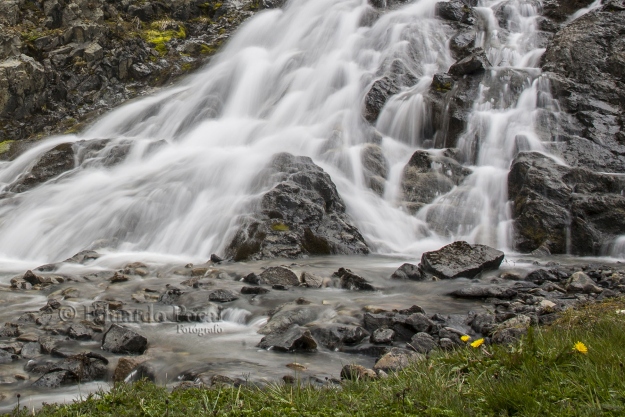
[(293, 339), (222, 296), (471, 64), (119, 339), (455, 11), (7, 357), (375, 167), (408, 271), (396, 78), (51, 164), (382, 336), (461, 259), (278, 275), (429, 175), (422, 342), (556, 206), (478, 292), (83, 367), (351, 281), (289, 315), (302, 215)]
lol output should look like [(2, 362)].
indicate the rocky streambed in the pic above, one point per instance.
[(98, 318)]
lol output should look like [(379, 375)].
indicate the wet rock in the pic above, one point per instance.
[(475, 62), (580, 282), (117, 278), (460, 45), (461, 259), (254, 290), (79, 332), (540, 276), (427, 176), (396, 360), (83, 257), (357, 372), (7, 357), (351, 281), (334, 336), (422, 343), (10, 330), (556, 206), (395, 79), (367, 349), (278, 275), (311, 281), (293, 339), (84, 367), (455, 11), (223, 296), (252, 278), (373, 321), (475, 292), (375, 167), (31, 350), (119, 339), (125, 366), (302, 214), (216, 259), (382, 336), (408, 271), (12, 347), (51, 164), (56, 379), (171, 296), (284, 318)]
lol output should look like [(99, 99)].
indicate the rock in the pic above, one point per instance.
[(311, 281), (408, 271), (477, 61), (223, 296), (83, 257), (56, 379), (125, 366), (83, 367), (382, 336), (216, 259), (10, 330), (422, 343), (252, 278), (22, 86), (119, 339), (580, 282), (334, 336), (351, 281), (31, 350), (117, 277), (396, 78), (357, 372), (455, 11), (50, 165), (7, 357), (302, 214), (483, 323), (508, 336), (586, 79), (396, 360), (565, 209), (475, 292), (373, 321), (375, 167), (460, 45), (519, 322), (254, 290), (294, 339), (539, 276), (278, 275), (446, 343), (461, 259), (284, 318)]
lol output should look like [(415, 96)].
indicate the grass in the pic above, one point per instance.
[(159, 37), (542, 375)]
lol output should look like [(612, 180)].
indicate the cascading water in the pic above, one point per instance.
[(289, 81)]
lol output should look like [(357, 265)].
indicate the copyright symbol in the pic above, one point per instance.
[(67, 313)]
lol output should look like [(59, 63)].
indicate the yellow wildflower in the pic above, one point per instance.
[(581, 348), (465, 338), (477, 343)]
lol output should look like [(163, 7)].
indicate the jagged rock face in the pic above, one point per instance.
[(564, 208), (382, 89), (428, 175), (302, 214), (586, 66)]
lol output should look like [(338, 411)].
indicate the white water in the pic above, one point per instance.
[(289, 81)]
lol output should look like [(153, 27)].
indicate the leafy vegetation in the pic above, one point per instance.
[(573, 368)]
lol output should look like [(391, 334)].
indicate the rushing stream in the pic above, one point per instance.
[(290, 80)]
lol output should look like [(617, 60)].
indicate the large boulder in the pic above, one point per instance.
[(585, 64), (302, 215), (51, 164), (564, 209), (279, 275), (83, 367), (392, 82), (22, 86), (334, 335), (375, 167), (460, 259)]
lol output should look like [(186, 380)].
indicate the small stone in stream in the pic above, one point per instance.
[(199, 272), (351, 281), (279, 287), (51, 306), (278, 275), (20, 377), (47, 343), (125, 366), (217, 380), (119, 339), (33, 279), (7, 357), (510, 276), (144, 371), (170, 296), (396, 360), (10, 330), (476, 292), (375, 321), (216, 259), (56, 379), (382, 336), (79, 332), (223, 296), (294, 339), (539, 276), (310, 280), (580, 282), (336, 335), (367, 349), (408, 271), (357, 372), (422, 342), (461, 259), (252, 279), (46, 268), (296, 366), (117, 277), (412, 310), (31, 350), (254, 290), (12, 347), (83, 257)]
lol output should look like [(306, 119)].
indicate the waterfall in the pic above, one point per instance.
[(290, 80)]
